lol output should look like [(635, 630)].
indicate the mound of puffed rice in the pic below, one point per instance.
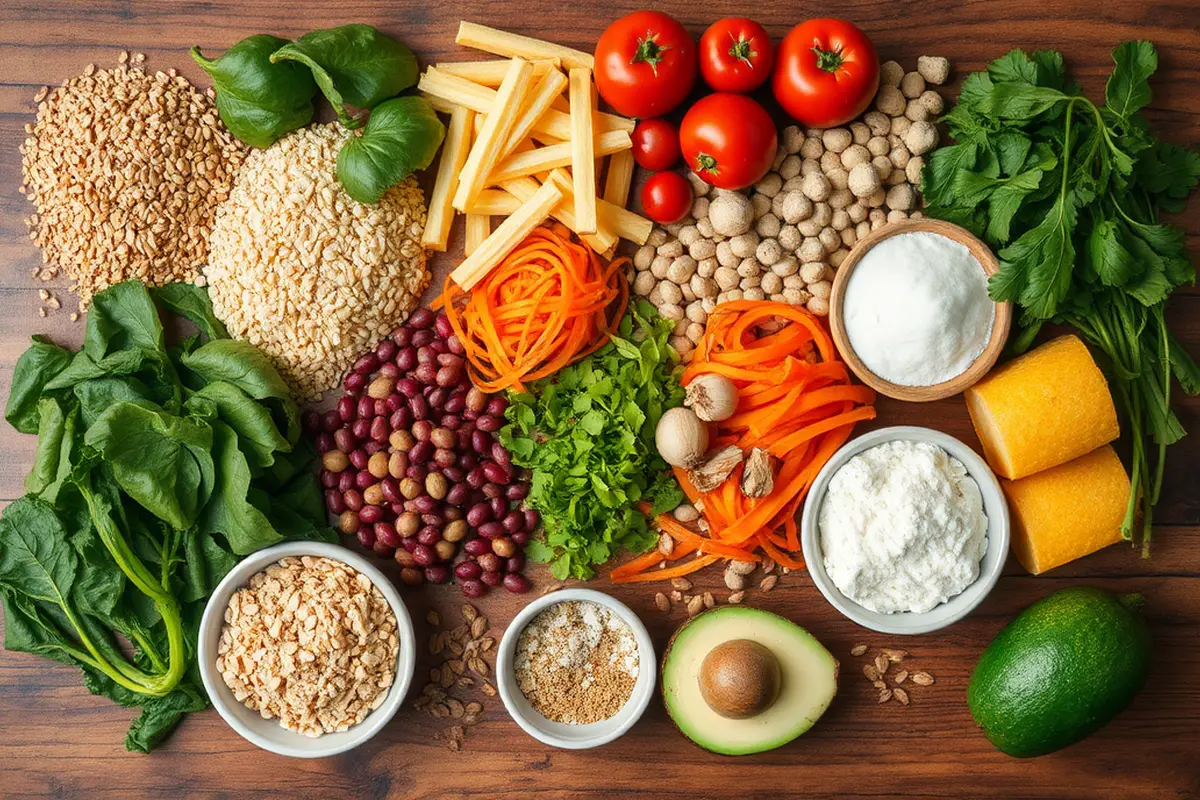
[(783, 238)]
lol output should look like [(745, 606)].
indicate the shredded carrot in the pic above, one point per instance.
[(668, 573), (795, 400), (549, 303)]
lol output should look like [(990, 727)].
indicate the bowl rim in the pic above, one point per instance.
[(991, 564), (1001, 324), (606, 730), (222, 698)]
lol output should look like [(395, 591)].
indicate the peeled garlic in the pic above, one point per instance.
[(681, 438), (713, 397)]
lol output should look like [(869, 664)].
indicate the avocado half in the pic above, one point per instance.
[(808, 681)]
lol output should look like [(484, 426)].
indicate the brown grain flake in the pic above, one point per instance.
[(901, 695), (922, 678), (488, 689), (474, 708), (666, 545), (486, 643), (456, 707), (858, 650), (456, 666), (479, 627), (469, 612), (709, 601), (695, 605)]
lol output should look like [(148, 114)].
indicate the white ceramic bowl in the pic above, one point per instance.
[(560, 734), (957, 607), (267, 733)]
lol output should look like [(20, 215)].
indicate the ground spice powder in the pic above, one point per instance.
[(577, 662)]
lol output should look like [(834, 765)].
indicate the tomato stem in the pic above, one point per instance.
[(649, 51), (828, 60), (706, 163), (741, 51)]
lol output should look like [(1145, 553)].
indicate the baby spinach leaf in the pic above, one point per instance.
[(354, 65), (192, 302), (56, 439), (259, 100), (230, 513), (160, 716), (97, 395), (123, 317), (402, 136), (36, 367), (36, 559), (258, 436), (244, 365)]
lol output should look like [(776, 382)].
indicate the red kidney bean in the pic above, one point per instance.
[(310, 421), (406, 359), (456, 402), (426, 504), (453, 473), (515, 562), (451, 422), (394, 403), (455, 345), (403, 557), (386, 350), (354, 383), (467, 570), (495, 473), (477, 547), (421, 318), (445, 359), (516, 491), (374, 447), (408, 387), (517, 584), (380, 430), (424, 555), (361, 428), (402, 336), (532, 518), (444, 458), (520, 538), (491, 490), (457, 494), (490, 530), (346, 480), (478, 514), (389, 371), (347, 408), (476, 400), (513, 522), (437, 397), (421, 452), (481, 442), (365, 408), (497, 406), (468, 461), (437, 573), (397, 509), (386, 532), (491, 578), (448, 375), (490, 562), (426, 373), (453, 514), (366, 364), (429, 535), (441, 324), (344, 439), (370, 514), (487, 422), (499, 508), (419, 407), (382, 550), (329, 480), (416, 472), (381, 408), (426, 355), (391, 490), (422, 429), (438, 346), (334, 501), (366, 536), (353, 499), (330, 421), (412, 576), (363, 479), (325, 443), (409, 543), (472, 588), (501, 456)]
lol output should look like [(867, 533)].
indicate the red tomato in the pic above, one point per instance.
[(655, 144), (645, 64), (728, 140), (828, 72), (667, 197), (736, 55)]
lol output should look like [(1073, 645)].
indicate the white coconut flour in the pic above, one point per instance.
[(902, 527), (916, 309)]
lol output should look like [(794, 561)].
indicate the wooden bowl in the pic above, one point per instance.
[(918, 394)]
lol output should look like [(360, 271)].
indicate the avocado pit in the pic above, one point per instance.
[(740, 678)]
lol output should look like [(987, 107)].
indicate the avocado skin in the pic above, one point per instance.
[(1060, 671)]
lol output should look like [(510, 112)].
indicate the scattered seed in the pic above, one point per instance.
[(894, 655), (42, 293), (666, 545), (695, 605), (433, 618), (922, 679), (858, 650), (682, 584), (885, 695), (554, 587), (768, 583), (469, 612), (488, 689), (901, 695), (662, 602), (676, 596), (709, 602), (768, 566), (736, 597), (879, 684), (871, 672), (479, 627), (901, 676), (881, 664), (474, 708), (487, 643)]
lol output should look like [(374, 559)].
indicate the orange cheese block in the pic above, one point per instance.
[(1042, 409), (1068, 511)]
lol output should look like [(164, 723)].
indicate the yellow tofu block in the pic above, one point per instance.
[(1042, 409), (1068, 511)]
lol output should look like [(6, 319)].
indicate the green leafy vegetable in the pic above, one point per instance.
[(402, 136), (1070, 195), (143, 493), (354, 65), (258, 99), (588, 435)]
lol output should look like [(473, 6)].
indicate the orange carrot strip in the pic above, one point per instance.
[(703, 544), (668, 573)]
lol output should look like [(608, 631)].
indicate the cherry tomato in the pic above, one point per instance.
[(827, 72), (728, 140), (736, 55), (667, 197), (645, 64), (655, 144)]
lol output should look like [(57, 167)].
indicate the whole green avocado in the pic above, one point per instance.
[(1060, 671)]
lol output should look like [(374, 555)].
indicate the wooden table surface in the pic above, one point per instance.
[(55, 739)]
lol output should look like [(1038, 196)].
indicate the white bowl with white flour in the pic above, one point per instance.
[(906, 530)]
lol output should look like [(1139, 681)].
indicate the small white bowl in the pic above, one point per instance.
[(560, 734), (957, 607), (267, 733)]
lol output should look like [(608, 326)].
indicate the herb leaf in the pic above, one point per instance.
[(1128, 88), (401, 137)]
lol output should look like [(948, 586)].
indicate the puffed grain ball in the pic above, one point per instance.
[(703, 287), (793, 139), (829, 239), (864, 180), (660, 265), (777, 204), (695, 312), (921, 138), (854, 155), (725, 255), (818, 306), (916, 215), (680, 326), (657, 237), (890, 74), (769, 251), (934, 69), (796, 207), (902, 197), (839, 178), (688, 294), (791, 167), (695, 331), (769, 185), (642, 258), (816, 187), (788, 265), (877, 215), (682, 345), (879, 123), (771, 283), (899, 156), (767, 226), (702, 249), (789, 238), (841, 220), (912, 172), (793, 184), (812, 147), (807, 167), (900, 126), (670, 293), (751, 282), (890, 101), (814, 271), (809, 227), (830, 161), (707, 267), (709, 303), (822, 214), (655, 295), (811, 250), (860, 132), (754, 294), (883, 165), (762, 204), (731, 213), (682, 268), (878, 146), (841, 199), (731, 295), (837, 139), (838, 256), (877, 199), (726, 278), (644, 283), (793, 281), (749, 268), (706, 229), (932, 101), (821, 289), (700, 187), (916, 111), (848, 239), (796, 297), (675, 227), (857, 212), (862, 228), (744, 246), (897, 177), (895, 215), (780, 155), (672, 248), (912, 85), (687, 235), (700, 208)]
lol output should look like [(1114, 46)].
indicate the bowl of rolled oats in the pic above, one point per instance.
[(306, 649)]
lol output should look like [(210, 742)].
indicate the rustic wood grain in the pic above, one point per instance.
[(59, 741)]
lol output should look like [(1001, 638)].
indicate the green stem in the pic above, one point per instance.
[(828, 60)]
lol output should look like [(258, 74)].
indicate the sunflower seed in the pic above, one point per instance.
[(469, 612), (488, 689), (881, 664), (662, 602), (677, 596), (474, 708), (736, 597), (901, 676), (768, 583), (901, 695), (433, 618), (858, 650), (894, 655), (695, 605), (871, 672), (456, 707), (709, 602), (487, 643), (479, 627), (682, 584), (922, 679), (666, 545), (885, 695), (879, 684)]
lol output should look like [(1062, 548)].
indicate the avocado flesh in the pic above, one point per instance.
[(1060, 671), (808, 681)]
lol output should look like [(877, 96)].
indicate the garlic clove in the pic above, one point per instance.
[(758, 479), (712, 397), (681, 438), (716, 468)]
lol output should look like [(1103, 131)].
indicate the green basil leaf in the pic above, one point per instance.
[(402, 136)]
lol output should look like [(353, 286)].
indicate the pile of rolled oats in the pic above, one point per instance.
[(312, 642)]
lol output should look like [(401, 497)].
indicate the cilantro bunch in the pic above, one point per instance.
[(587, 433), (1069, 193)]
